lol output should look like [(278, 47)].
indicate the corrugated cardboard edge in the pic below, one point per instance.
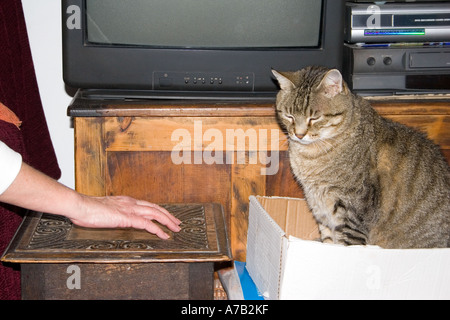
[(282, 215), (264, 237)]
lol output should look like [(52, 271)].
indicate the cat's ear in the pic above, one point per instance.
[(285, 83), (332, 83)]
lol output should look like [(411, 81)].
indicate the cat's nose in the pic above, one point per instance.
[(299, 135)]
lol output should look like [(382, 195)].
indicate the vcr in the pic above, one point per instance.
[(397, 69)]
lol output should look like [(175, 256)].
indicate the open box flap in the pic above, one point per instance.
[(264, 243), (291, 215)]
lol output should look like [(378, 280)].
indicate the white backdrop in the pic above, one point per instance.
[(43, 19)]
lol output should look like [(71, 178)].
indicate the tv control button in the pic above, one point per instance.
[(371, 61), (387, 61)]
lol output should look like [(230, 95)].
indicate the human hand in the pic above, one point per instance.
[(124, 212)]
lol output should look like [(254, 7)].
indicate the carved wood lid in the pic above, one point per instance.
[(45, 238)]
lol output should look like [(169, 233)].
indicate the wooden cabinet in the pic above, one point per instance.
[(205, 151)]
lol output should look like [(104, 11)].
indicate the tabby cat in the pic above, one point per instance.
[(367, 180)]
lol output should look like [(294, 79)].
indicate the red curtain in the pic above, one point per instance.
[(19, 92)]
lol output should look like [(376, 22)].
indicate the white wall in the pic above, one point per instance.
[(43, 19)]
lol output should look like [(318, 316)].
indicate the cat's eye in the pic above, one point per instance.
[(312, 120), (289, 118)]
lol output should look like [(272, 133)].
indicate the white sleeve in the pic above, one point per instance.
[(10, 164)]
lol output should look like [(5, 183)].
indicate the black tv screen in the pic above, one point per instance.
[(205, 23), (200, 46)]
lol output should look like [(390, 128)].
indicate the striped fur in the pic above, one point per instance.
[(367, 180)]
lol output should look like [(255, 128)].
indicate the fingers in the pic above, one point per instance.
[(137, 214), (159, 214), (154, 229), (145, 222), (161, 209), (147, 211)]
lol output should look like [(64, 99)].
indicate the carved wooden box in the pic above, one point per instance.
[(62, 261)]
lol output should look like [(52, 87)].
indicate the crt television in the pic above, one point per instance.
[(196, 48)]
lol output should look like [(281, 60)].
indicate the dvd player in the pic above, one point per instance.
[(397, 22)]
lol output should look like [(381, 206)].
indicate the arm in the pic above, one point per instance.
[(34, 190)]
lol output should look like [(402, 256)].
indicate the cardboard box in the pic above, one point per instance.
[(285, 262)]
